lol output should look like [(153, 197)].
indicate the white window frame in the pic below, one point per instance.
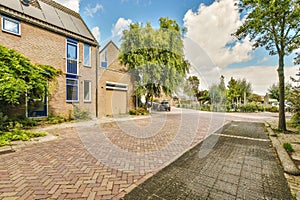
[(90, 55), (90, 91), (13, 21), (73, 100)]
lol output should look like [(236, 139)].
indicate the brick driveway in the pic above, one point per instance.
[(102, 161)]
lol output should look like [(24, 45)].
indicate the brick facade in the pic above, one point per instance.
[(43, 46), (110, 100)]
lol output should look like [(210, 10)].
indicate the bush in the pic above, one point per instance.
[(271, 109), (55, 119), (16, 134), (3, 122), (139, 111), (288, 147), (81, 114)]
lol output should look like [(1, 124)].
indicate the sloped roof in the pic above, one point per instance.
[(50, 15), (110, 42)]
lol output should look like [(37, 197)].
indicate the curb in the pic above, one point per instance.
[(286, 161)]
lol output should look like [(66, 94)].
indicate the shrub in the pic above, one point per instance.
[(288, 147), (81, 114), (132, 112), (3, 122), (271, 109), (139, 111), (16, 134)]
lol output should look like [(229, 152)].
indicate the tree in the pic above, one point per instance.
[(18, 76), (274, 25), (238, 90), (155, 57), (192, 86), (295, 99), (274, 91), (218, 95)]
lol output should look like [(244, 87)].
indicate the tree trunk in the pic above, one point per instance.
[(280, 70)]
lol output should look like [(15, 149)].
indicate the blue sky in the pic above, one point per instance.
[(209, 24)]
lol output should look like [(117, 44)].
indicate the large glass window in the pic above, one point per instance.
[(11, 25), (72, 54), (87, 91), (87, 55), (72, 89)]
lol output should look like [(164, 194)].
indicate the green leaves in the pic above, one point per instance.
[(155, 57), (18, 76)]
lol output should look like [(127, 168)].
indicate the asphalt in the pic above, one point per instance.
[(238, 162)]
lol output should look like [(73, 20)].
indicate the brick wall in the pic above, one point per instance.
[(46, 47)]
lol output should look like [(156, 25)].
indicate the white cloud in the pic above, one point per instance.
[(211, 28), (264, 59), (90, 11), (72, 4), (96, 32), (121, 25)]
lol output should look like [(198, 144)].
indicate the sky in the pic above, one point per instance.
[(208, 44)]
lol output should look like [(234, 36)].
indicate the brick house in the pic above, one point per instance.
[(116, 90), (49, 33)]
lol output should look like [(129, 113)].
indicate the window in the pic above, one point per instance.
[(11, 25), (72, 89), (72, 52), (87, 55), (87, 91), (104, 59)]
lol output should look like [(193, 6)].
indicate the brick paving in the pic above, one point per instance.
[(237, 168), (98, 161), (102, 161)]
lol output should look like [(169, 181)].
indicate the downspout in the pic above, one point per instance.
[(97, 65)]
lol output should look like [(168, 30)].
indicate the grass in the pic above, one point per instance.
[(288, 147)]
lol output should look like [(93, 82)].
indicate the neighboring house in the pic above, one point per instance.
[(49, 33), (116, 90)]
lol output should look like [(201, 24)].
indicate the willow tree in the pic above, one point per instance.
[(155, 57), (273, 24)]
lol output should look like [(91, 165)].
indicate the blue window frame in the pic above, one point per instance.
[(11, 26), (87, 55), (72, 56), (72, 88)]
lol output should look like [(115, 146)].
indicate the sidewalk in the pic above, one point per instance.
[(241, 165)]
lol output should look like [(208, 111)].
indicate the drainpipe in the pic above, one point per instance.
[(97, 65)]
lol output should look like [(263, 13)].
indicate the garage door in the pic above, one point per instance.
[(116, 98)]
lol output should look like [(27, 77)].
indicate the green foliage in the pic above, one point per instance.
[(55, 119), (19, 76), (252, 107), (274, 91), (139, 111), (80, 114), (191, 86), (3, 122), (271, 108), (288, 147), (155, 57), (17, 134), (275, 26), (295, 99), (218, 94), (237, 90)]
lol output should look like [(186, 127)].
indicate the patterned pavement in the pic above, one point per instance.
[(244, 167), (94, 160)]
